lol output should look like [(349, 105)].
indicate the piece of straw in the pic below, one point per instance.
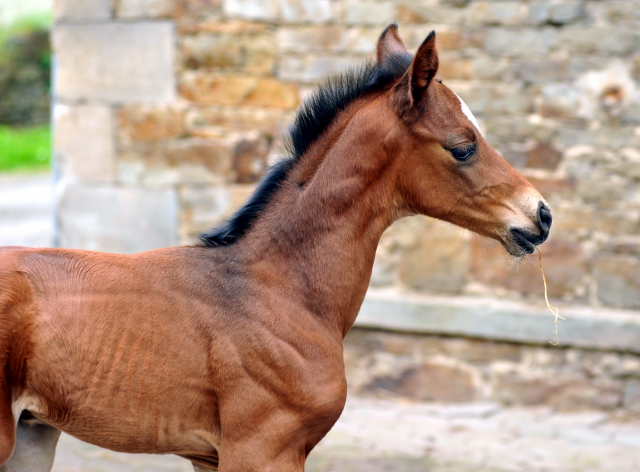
[(552, 309)]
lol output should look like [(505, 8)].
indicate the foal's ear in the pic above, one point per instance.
[(423, 67), (389, 44)]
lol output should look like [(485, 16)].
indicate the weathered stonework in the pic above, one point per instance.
[(188, 101), (423, 367)]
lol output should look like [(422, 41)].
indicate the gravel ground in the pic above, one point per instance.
[(375, 435), (399, 436)]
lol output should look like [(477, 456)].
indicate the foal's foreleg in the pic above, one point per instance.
[(7, 425), (255, 459), (35, 447)]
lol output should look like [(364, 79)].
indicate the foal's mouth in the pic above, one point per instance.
[(526, 241)]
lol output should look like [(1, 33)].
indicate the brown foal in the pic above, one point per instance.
[(229, 353)]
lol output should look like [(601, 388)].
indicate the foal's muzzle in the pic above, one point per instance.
[(527, 240)]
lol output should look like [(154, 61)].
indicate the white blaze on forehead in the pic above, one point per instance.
[(467, 112)]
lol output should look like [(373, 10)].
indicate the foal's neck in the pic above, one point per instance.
[(323, 226)]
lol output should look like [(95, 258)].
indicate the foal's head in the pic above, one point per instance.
[(448, 170)]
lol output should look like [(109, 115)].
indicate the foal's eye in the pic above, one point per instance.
[(462, 153)]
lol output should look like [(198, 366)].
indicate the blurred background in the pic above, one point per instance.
[(166, 112)]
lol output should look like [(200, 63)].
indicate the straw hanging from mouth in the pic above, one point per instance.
[(552, 309)]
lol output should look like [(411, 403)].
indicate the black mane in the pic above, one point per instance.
[(312, 119)]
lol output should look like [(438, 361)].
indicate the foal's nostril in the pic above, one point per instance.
[(544, 218)]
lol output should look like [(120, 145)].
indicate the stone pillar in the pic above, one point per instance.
[(101, 64)]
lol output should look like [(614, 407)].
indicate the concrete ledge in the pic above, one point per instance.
[(521, 322)]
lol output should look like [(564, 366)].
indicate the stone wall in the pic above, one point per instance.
[(167, 112), (445, 369)]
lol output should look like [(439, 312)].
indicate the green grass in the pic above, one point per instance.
[(30, 23), (25, 149)]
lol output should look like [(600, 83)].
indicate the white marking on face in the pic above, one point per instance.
[(467, 113)]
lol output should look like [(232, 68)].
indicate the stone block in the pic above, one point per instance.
[(216, 89), (120, 62), (540, 155), (631, 396), (235, 90), (618, 280), (250, 157), (511, 99), (65, 10), (513, 389), (564, 262), (582, 220), (307, 11), (149, 122), (615, 12), (487, 67), (215, 24), (559, 100), (311, 69), (521, 42), (193, 9), (83, 142), (115, 219), (496, 13), (517, 128), (541, 71), (631, 114), (201, 209), (429, 12), (432, 256), (146, 8), (605, 191), (452, 67), (272, 93), (628, 245), (247, 52), (565, 394), (635, 67), (576, 395), (600, 40), (312, 39), (221, 121), (194, 161), (560, 13), (482, 352), (368, 12), (550, 188), (363, 40), (447, 38), (409, 12), (431, 381), (261, 10)]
